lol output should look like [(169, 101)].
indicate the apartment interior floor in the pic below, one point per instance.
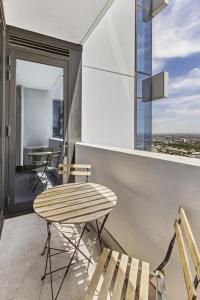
[(24, 188), (21, 263)]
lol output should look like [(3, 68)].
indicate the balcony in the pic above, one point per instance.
[(95, 116), (150, 188)]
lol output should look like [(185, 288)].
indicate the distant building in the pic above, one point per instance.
[(195, 155)]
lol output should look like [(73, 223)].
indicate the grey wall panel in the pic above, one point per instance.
[(74, 104)]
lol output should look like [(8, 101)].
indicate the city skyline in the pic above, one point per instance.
[(176, 49)]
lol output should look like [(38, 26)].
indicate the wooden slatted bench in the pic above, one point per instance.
[(119, 267), (118, 276)]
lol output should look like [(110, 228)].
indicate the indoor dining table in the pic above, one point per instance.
[(74, 203)]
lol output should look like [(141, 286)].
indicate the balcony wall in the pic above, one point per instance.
[(150, 188), (108, 78)]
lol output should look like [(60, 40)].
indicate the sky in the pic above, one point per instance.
[(176, 49)]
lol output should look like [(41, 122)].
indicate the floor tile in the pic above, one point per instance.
[(22, 265)]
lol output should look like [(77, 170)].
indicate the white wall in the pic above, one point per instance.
[(108, 78), (38, 114), (150, 188)]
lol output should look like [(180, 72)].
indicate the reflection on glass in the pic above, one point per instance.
[(144, 70), (58, 115), (144, 43), (144, 118), (143, 138), (39, 127), (140, 78)]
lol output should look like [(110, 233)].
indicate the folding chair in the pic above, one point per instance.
[(40, 174), (82, 170), (52, 167), (120, 276)]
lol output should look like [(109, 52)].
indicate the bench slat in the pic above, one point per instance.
[(185, 263), (109, 275), (191, 241), (117, 291), (75, 173), (144, 282), (97, 274), (75, 166), (132, 280)]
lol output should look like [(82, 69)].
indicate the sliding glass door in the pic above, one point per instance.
[(38, 103)]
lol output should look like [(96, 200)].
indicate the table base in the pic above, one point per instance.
[(59, 251)]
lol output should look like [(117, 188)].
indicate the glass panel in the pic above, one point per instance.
[(144, 70), (140, 77), (176, 44), (39, 127), (144, 118), (144, 43), (143, 138)]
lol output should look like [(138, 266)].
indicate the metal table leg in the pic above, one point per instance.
[(70, 263), (99, 230), (74, 245), (48, 257), (45, 246), (76, 249)]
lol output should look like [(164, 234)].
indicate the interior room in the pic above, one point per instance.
[(39, 124)]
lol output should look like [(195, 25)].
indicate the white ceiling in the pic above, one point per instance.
[(36, 76), (70, 20)]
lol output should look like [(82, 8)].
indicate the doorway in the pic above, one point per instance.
[(37, 112)]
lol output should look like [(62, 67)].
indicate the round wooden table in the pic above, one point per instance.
[(75, 203)]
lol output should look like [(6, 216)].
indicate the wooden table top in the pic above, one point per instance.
[(75, 203)]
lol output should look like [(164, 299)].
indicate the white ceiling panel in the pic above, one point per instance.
[(69, 20)]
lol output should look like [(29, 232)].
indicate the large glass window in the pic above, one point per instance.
[(144, 41), (176, 49)]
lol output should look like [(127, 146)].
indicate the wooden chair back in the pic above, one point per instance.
[(184, 236), (75, 169)]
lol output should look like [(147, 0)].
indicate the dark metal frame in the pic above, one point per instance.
[(1, 222), (159, 271), (19, 45), (59, 251), (2, 111)]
